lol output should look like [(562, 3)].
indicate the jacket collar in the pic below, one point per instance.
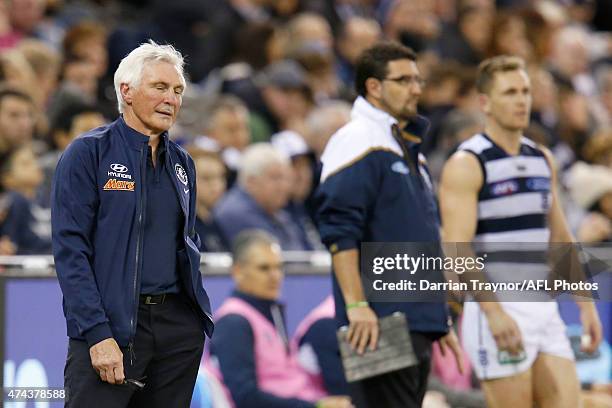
[(364, 109), (417, 127), (134, 138), (263, 306)]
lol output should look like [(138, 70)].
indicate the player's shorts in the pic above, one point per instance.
[(542, 331)]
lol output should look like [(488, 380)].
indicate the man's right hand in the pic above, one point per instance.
[(505, 331), (363, 328), (335, 401), (107, 360)]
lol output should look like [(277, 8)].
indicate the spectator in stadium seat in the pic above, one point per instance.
[(466, 41), (356, 35), (279, 96), (72, 118), (26, 225), (86, 42), (302, 162), (224, 126), (250, 351), (258, 200), (603, 106), (211, 181), (45, 62), (598, 149), (509, 36), (575, 120), (78, 79), (16, 119), (319, 354), (322, 122), (411, 23), (310, 28), (590, 186)]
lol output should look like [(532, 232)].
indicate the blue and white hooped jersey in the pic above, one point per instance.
[(515, 196)]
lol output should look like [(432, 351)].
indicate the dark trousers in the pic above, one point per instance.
[(168, 349), (403, 388)]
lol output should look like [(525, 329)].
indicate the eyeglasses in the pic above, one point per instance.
[(407, 80)]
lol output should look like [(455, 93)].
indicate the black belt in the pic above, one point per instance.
[(154, 299)]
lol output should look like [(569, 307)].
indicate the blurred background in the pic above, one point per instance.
[(277, 72)]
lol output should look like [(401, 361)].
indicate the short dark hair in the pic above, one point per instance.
[(67, 112), (491, 66), (372, 63), (14, 93)]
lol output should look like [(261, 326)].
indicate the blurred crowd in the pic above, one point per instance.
[(272, 80)]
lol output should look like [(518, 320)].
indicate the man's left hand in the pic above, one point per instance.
[(591, 327), (451, 342)]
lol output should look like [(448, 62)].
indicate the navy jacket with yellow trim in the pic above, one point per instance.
[(369, 194)]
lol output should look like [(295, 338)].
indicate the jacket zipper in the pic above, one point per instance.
[(137, 265), (185, 227)]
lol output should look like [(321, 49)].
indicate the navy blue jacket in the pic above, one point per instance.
[(369, 194), (20, 226), (238, 211), (98, 204)]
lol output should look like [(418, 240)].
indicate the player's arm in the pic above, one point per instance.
[(461, 180), (561, 234), (344, 201), (363, 327)]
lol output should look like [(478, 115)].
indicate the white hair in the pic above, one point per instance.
[(323, 119), (130, 68), (256, 158)]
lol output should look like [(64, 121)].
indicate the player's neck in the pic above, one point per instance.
[(509, 140)]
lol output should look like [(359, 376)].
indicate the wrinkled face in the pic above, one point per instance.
[(398, 93), (153, 105), (260, 274), (16, 120), (230, 127), (508, 103), (211, 181), (24, 171), (272, 188)]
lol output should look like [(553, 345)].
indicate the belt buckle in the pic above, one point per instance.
[(149, 300)]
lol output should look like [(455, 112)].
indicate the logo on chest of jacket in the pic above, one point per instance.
[(400, 167), (119, 170), (181, 174), (119, 185)]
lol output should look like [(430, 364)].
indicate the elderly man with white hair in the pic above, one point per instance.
[(125, 247), (258, 200)]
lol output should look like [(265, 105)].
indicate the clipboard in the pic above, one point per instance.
[(393, 352)]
